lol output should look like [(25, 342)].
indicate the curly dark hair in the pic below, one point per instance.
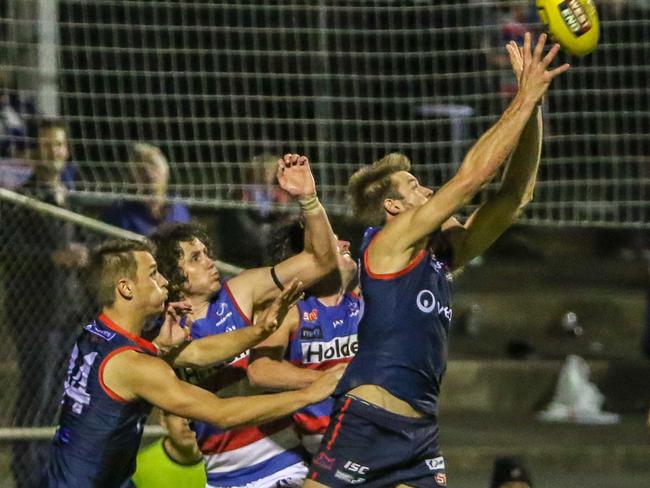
[(287, 239), (166, 242)]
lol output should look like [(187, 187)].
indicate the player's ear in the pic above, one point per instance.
[(125, 288), (393, 206)]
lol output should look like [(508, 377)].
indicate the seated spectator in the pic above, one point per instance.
[(173, 460), (149, 172)]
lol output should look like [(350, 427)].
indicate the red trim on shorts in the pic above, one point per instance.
[(107, 390), (337, 427), (389, 276), (313, 475), (145, 344), (237, 307)]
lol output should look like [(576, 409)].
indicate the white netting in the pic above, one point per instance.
[(216, 83)]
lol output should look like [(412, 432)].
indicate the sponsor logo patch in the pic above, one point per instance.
[(355, 467), (337, 348), (427, 303), (311, 333), (104, 334), (435, 463), (310, 316), (349, 478)]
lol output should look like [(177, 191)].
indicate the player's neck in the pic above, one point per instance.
[(127, 320), (332, 300), (181, 455), (200, 306)]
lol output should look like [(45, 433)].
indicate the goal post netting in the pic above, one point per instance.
[(215, 84)]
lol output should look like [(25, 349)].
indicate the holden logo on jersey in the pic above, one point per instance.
[(337, 348), (427, 303), (310, 316)]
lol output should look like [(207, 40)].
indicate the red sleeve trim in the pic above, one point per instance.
[(143, 343), (390, 276), (237, 307), (107, 390)]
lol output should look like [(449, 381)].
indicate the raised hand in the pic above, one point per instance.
[(325, 385), (174, 330), (295, 177), (535, 75), (272, 317)]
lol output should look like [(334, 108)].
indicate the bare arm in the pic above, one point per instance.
[(502, 209), (255, 286), (408, 229), (220, 347), (267, 367), (133, 375)]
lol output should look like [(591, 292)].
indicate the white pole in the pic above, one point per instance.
[(48, 57)]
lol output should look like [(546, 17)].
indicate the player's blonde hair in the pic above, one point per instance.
[(372, 184)]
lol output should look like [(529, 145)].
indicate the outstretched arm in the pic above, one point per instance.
[(256, 286), (408, 229), (503, 208), (133, 375), (267, 367), (221, 347)]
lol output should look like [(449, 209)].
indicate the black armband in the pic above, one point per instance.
[(277, 282)]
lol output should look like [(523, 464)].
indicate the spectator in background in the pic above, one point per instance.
[(258, 222), (43, 297), (14, 170), (509, 472), (513, 18), (149, 173), (173, 460)]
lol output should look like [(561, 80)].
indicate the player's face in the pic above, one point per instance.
[(150, 285), (201, 275), (179, 431), (413, 194), (53, 149)]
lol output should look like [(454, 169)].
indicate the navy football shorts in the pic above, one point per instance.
[(369, 446)]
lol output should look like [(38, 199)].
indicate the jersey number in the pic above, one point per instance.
[(77, 381)]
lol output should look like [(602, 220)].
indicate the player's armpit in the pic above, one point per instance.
[(482, 228)]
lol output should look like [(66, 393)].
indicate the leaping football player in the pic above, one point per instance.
[(384, 428)]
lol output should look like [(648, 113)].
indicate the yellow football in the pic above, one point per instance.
[(572, 23)]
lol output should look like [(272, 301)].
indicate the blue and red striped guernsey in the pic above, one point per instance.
[(325, 336), (99, 432), (249, 454), (403, 333)]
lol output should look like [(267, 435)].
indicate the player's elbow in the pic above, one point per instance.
[(257, 372)]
